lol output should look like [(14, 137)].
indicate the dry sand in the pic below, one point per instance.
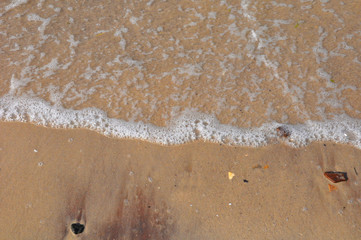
[(130, 189)]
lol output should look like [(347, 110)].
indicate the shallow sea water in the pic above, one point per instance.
[(176, 71)]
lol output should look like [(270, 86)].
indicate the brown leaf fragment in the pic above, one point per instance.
[(331, 188), (336, 177)]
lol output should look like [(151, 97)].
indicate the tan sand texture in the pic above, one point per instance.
[(130, 189), (244, 62)]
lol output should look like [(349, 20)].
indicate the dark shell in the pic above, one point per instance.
[(336, 177)]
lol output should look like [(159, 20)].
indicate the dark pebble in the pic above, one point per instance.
[(77, 228)]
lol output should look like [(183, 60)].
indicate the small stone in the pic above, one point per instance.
[(77, 228), (336, 177), (283, 132)]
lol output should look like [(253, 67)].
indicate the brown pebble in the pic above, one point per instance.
[(336, 177), (283, 132)]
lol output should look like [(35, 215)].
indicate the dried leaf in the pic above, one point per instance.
[(331, 188)]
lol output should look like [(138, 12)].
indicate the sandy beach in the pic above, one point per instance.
[(131, 189), (180, 119)]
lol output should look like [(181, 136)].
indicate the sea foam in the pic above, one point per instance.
[(190, 126)]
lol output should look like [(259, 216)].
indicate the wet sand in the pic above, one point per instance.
[(130, 189), (245, 62)]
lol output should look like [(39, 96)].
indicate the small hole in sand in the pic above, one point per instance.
[(77, 228)]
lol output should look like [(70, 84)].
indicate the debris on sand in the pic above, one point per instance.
[(336, 177), (266, 166), (257, 166), (231, 175), (77, 228), (331, 188), (283, 132)]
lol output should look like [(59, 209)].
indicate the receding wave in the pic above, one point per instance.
[(190, 126)]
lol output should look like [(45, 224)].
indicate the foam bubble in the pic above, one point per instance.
[(189, 127)]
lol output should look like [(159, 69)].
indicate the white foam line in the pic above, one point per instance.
[(189, 127)]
